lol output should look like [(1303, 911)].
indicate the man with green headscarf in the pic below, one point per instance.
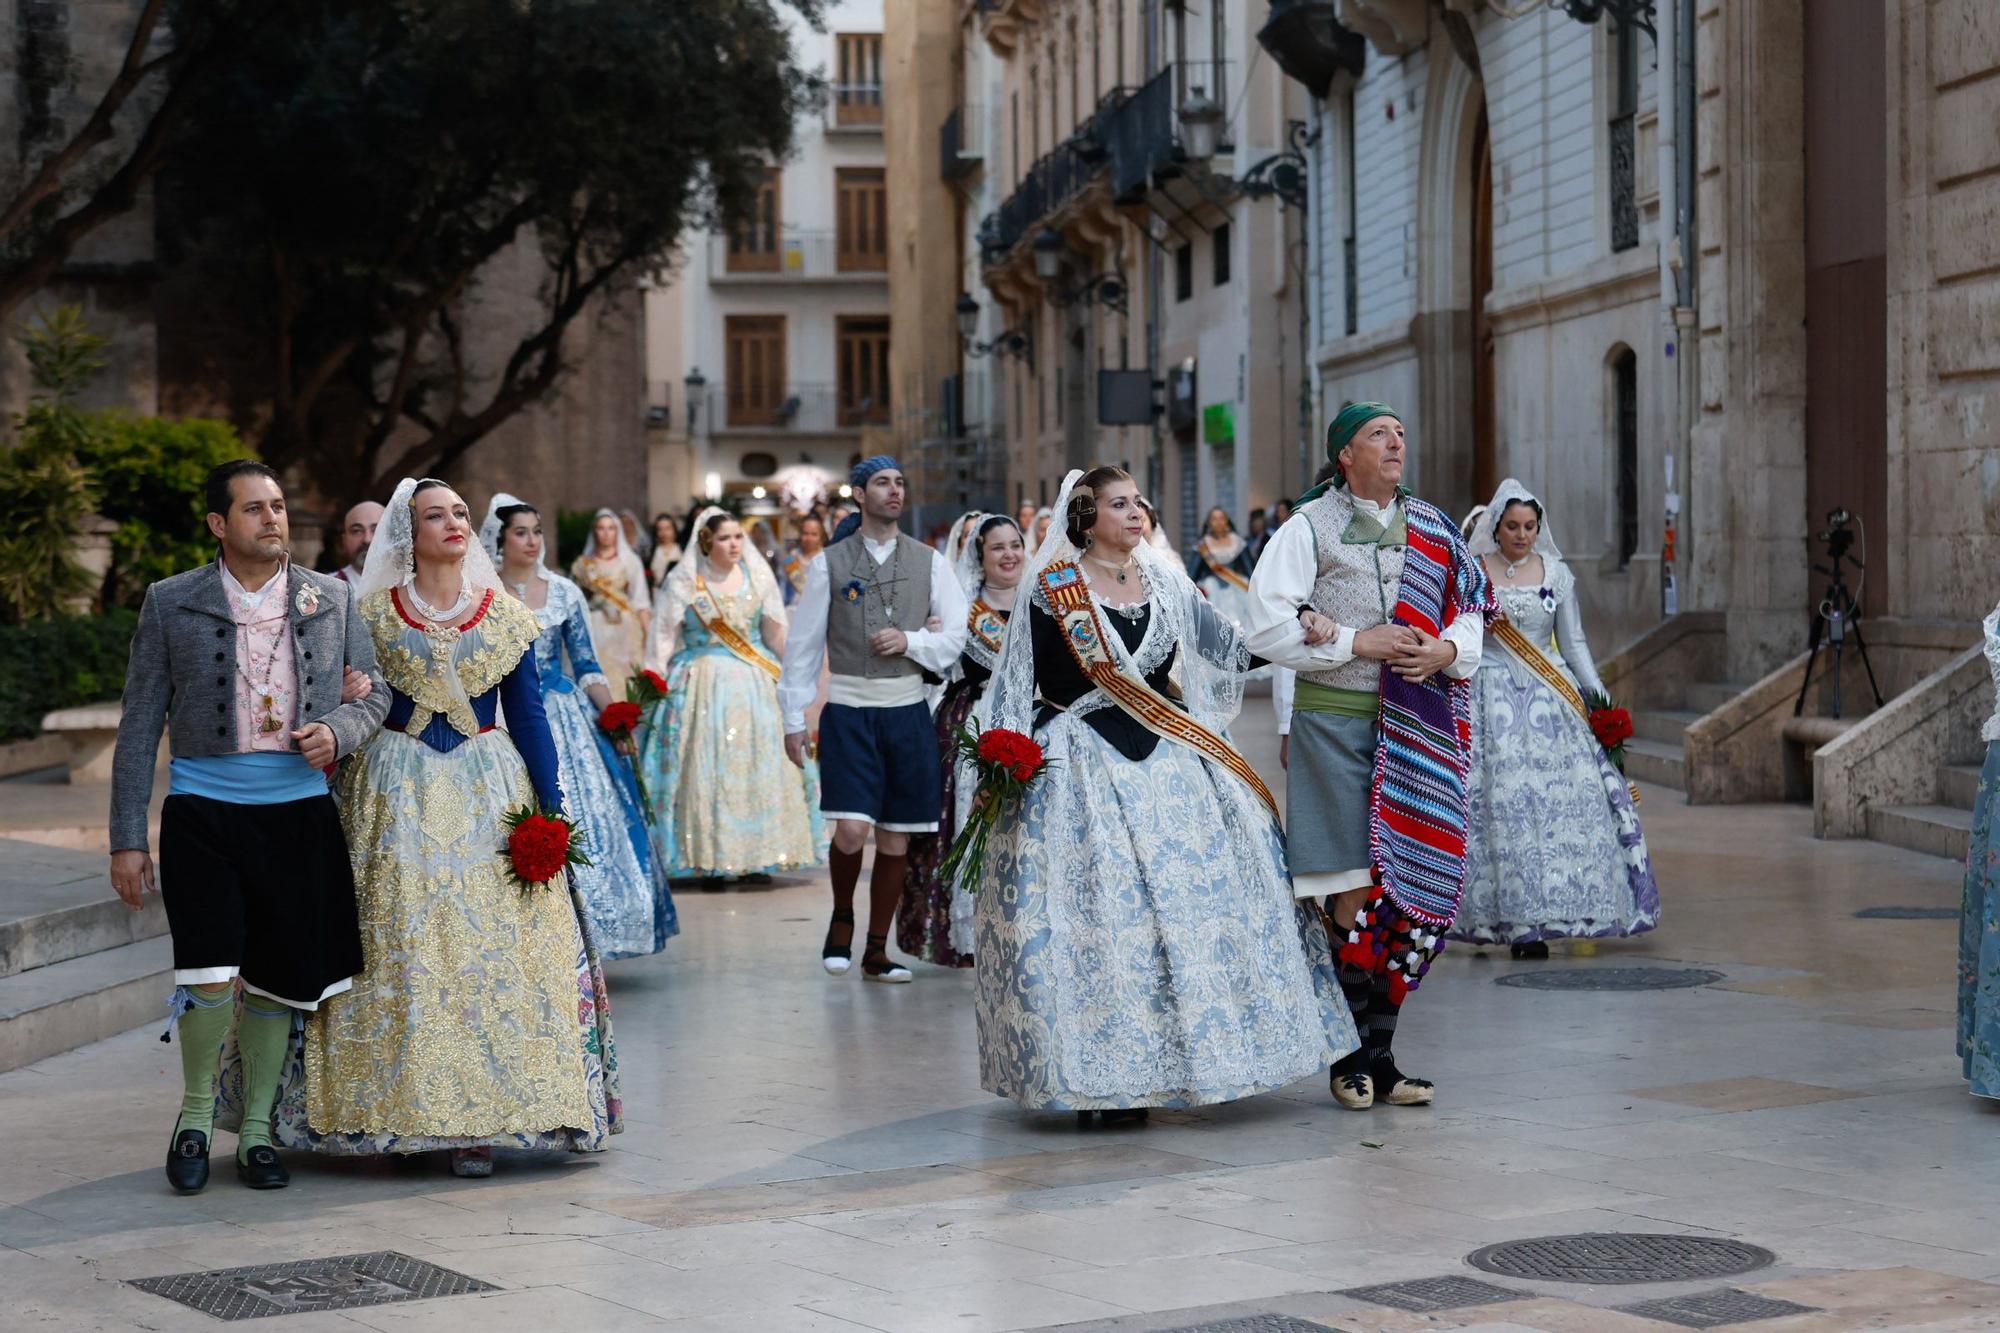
[(1327, 600)]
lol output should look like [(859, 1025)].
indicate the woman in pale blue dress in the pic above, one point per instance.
[(1554, 849), (630, 904), (1137, 943), (1979, 924), (728, 802)]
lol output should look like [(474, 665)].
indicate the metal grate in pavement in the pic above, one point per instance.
[(346, 1282), (1256, 1323), (1613, 1257), (1425, 1294), (1612, 978), (1908, 914), (1713, 1309)]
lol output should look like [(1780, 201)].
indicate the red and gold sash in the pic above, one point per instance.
[(704, 606), (602, 585), (987, 626), (1069, 598), (1223, 572), (1538, 662)]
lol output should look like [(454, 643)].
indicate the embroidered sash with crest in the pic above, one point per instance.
[(1223, 572), (1084, 632), (705, 607), (988, 629)]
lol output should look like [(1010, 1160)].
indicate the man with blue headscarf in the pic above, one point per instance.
[(1369, 594), (864, 611)]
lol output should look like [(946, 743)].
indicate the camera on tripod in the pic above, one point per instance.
[(1837, 617)]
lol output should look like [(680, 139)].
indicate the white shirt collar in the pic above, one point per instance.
[(880, 550), (242, 597), (1380, 513)]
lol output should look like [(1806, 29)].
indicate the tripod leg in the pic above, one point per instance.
[(1861, 645), (1799, 705)]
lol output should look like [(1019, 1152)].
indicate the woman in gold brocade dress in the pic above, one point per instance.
[(481, 1019), (614, 579)]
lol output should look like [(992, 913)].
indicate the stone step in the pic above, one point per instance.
[(1655, 762), (1706, 696), (1938, 830), (1958, 785), (1665, 725), (70, 1004), (56, 905)]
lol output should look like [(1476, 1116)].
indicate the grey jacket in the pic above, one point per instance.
[(182, 676)]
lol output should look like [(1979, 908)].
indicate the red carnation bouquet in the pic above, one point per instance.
[(645, 689), (1611, 726), (540, 845), (1008, 763), (618, 719)]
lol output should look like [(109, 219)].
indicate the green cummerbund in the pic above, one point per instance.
[(1313, 697)]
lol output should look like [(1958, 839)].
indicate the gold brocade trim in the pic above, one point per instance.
[(703, 604), (1068, 596), (415, 659)]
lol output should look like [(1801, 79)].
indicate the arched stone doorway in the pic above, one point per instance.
[(1455, 449)]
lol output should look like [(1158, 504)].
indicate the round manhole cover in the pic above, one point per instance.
[(1620, 1258), (1612, 978), (1908, 914)]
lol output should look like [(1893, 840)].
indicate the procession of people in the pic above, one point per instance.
[(416, 804)]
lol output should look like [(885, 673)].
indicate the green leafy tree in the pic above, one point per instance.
[(373, 167), (150, 473), (44, 489)]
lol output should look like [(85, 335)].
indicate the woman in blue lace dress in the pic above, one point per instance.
[(727, 801), (630, 904)]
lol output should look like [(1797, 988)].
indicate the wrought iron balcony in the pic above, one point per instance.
[(1310, 44), (755, 253), (1053, 181), (803, 409)]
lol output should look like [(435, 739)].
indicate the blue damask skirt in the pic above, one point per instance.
[(1979, 941), (1137, 940)]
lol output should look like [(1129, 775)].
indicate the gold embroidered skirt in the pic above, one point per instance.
[(480, 1016)]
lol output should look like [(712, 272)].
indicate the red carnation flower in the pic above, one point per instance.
[(1024, 771), (1612, 726), (656, 680), (619, 718), (539, 848)]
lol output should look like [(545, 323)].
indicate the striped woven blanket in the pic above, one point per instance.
[(1419, 801)]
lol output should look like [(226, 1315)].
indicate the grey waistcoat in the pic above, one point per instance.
[(902, 581), (1357, 585), (182, 676)]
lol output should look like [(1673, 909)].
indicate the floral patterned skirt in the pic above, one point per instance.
[(924, 918), (481, 1016), (1979, 940), (1553, 848), (1137, 939)]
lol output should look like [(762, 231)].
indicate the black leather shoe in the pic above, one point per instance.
[(187, 1161), (260, 1169)]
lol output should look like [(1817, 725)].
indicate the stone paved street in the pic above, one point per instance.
[(805, 1153)]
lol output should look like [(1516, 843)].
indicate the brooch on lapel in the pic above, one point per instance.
[(1548, 600), (852, 592), (308, 599)]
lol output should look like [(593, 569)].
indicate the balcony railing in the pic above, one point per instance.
[(803, 409), (1144, 131), (789, 254), (854, 106), (1053, 181)]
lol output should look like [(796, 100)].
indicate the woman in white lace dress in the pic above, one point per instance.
[(1554, 849), (1136, 937)]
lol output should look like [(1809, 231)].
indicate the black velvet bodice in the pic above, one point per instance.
[(1060, 682)]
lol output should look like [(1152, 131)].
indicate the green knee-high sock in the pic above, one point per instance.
[(263, 1036), (202, 1028)]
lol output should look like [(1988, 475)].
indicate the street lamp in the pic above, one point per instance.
[(1009, 342), (1050, 251), (1201, 126), (694, 384), (968, 316)]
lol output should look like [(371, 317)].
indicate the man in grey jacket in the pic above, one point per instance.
[(242, 661)]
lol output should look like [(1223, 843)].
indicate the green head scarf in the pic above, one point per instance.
[(1339, 431)]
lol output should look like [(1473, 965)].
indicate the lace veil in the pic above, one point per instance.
[(1208, 668), (1484, 541), (492, 534), (392, 556)]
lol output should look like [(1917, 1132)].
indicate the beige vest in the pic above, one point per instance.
[(1356, 586), (902, 582)]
